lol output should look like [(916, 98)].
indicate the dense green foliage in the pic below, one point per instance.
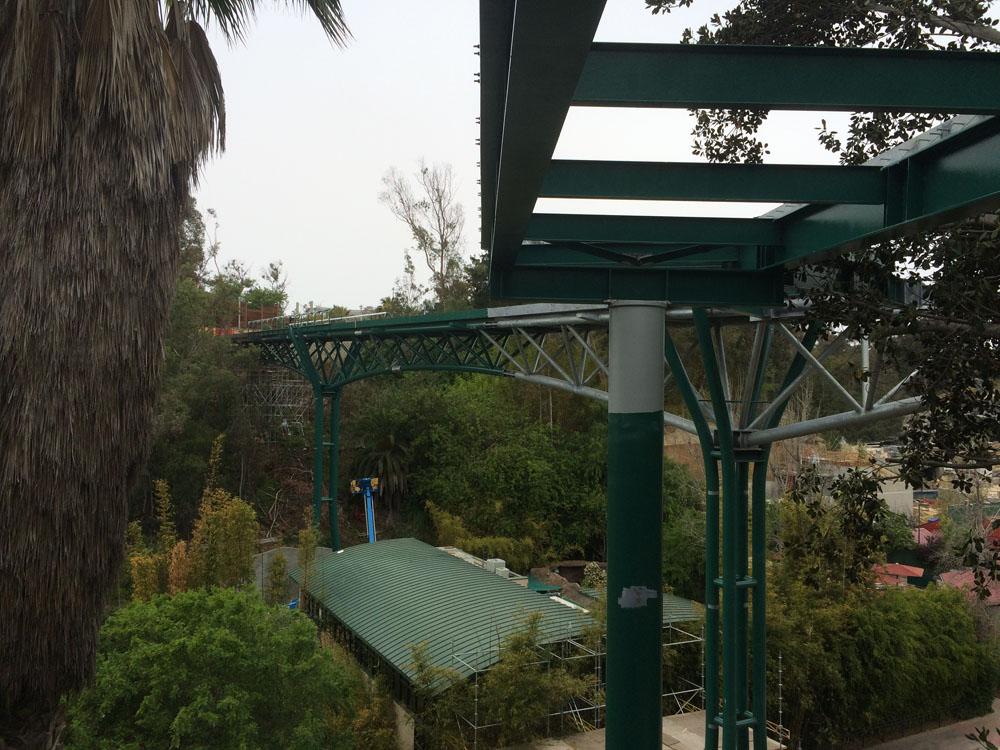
[(856, 660), (202, 392), (515, 695), (475, 447), (856, 657), (211, 669)]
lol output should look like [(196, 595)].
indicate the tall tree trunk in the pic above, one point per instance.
[(96, 156)]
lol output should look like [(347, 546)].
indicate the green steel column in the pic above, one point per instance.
[(759, 547), (711, 645), (635, 525), (318, 459), (711, 601), (758, 553), (334, 461), (730, 536), (742, 605)]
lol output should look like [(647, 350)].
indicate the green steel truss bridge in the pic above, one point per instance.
[(634, 277)]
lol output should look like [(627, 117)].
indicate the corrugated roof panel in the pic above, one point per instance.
[(675, 608), (402, 592)]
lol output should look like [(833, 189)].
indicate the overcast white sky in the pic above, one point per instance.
[(312, 129)]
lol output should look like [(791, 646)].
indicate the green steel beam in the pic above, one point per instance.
[(548, 48), (496, 21), (684, 181), (680, 286), (818, 78), (655, 230), (957, 177), (613, 256)]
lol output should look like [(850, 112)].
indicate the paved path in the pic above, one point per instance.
[(683, 732), (950, 737)]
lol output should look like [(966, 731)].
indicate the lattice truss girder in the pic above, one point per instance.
[(569, 351)]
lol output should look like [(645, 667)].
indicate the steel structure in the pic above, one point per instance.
[(537, 60)]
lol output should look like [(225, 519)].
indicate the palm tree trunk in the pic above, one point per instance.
[(39, 730), (95, 165)]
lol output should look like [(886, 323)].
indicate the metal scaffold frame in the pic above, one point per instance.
[(685, 699)]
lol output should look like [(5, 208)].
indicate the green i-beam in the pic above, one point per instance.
[(635, 479)]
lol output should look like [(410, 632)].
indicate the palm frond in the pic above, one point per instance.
[(235, 16)]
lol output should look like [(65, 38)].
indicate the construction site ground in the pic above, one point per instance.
[(687, 732), (681, 732)]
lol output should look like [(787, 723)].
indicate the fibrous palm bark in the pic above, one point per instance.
[(107, 107)]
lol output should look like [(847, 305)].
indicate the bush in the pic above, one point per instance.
[(212, 669)]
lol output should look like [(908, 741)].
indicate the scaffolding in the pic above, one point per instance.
[(279, 401), (582, 712)]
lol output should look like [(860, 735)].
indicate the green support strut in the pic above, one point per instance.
[(334, 461), (635, 526), (711, 645), (318, 460)]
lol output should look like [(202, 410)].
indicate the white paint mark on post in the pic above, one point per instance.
[(634, 597)]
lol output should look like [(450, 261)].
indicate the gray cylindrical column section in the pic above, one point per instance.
[(635, 561), (635, 340)]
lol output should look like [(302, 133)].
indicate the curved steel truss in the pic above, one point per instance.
[(566, 347)]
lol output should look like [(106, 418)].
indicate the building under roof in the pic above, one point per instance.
[(382, 598)]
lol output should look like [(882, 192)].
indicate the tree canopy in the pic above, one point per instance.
[(212, 669)]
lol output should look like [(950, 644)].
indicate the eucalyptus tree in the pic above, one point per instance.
[(107, 109)]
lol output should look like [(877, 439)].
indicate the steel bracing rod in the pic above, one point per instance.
[(577, 377), (503, 351), (599, 366), (754, 373), (720, 356), (670, 373), (822, 370), (731, 609), (895, 389), (700, 404), (834, 421), (786, 392)]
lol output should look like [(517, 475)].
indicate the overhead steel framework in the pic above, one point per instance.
[(537, 60)]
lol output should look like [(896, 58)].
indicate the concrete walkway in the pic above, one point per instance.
[(950, 737), (682, 732)]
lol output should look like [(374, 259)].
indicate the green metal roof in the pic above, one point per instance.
[(401, 592), (675, 608)]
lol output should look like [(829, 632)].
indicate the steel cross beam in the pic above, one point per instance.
[(537, 62)]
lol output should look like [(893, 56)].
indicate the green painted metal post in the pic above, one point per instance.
[(333, 468), (731, 493), (742, 604), (759, 549), (711, 645), (318, 459), (635, 521)]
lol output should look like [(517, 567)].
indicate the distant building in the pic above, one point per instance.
[(965, 580), (896, 574)]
